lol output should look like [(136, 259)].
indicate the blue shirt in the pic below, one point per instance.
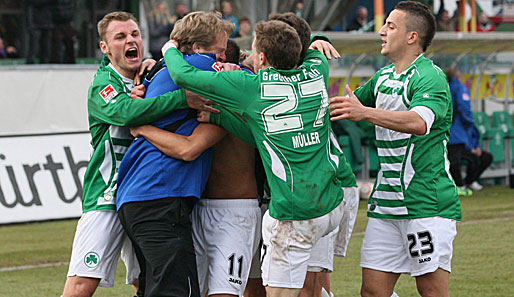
[(145, 173), (462, 115)]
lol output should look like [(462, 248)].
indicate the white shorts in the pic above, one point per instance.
[(322, 254), (255, 267), (226, 234), (351, 205), (96, 248), (414, 247), (287, 247)]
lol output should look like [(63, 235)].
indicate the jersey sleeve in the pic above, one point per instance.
[(431, 90), (228, 88), (233, 123), (366, 92), (315, 59), (109, 103)]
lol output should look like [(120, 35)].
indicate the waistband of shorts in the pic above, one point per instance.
[(229, 203)]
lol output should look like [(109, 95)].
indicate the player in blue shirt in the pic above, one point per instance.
[(156, 192)]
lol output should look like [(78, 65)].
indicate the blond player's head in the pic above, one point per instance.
[(202, 32)]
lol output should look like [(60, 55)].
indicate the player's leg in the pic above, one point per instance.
[(95, 254), (287, 249), (430, 244), (162, 230), (231, 229), (433, 284), (383, 257), (377, 283)]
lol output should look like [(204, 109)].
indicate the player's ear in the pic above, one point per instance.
[(413, 37), (104, 47), (196, 47), (262, 58)]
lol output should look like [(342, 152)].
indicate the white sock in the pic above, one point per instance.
[(324, 293), (394, 295)]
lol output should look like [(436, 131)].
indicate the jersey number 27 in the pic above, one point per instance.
[(275, 118)]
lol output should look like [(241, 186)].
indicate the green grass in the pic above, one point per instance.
[(482, 263)]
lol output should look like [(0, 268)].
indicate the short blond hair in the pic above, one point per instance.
[(121, 16), (200, 27)]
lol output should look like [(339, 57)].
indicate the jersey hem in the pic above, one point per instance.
[(390, 217)]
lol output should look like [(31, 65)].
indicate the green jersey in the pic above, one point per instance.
[(287, 114), (414, 179), (110, 111)]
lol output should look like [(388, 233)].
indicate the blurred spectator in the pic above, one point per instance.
[(63, 32), (7, 52), (180, 11), (245, 27), (464, 139), (300, 10), (446, 23), (38, 19), (484, 24), (226, 9), (161, 24), (360, 21)]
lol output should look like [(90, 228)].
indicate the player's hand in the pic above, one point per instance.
[(147, 65), (200, 103), (171, 41), (138, 92), (203, 116), (229, 66), (326, 48), (137, 131), (477, 151), (347, 107)]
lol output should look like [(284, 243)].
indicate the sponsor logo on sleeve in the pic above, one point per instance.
[(108, 93), (426, 95), (217, 67), (465, 96)]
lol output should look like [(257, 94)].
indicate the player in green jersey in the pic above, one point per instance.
[(99, 236), (286, 111), (414, 206)]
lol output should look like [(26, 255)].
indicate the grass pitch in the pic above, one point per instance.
[(33, 257)]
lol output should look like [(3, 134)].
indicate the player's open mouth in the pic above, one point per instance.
[(131, 54), (383, 43)]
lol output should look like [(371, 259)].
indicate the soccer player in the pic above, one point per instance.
[(286, 111), (414, 206), (99, 236), (157, 192)]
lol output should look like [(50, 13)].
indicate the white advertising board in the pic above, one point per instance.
[(41, 176)]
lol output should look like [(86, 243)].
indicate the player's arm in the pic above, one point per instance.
[(228, 88), (177, 146), (233, 123), (350, 108), (109, 103)]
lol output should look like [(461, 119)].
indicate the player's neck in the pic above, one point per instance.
[(404, 61), (124, 73)]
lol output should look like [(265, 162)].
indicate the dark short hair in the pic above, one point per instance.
[(420, 19), (300, 25), (244, 19), (232, 52), (279, 42)]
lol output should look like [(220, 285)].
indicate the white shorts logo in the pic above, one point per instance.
[(91, 259)]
